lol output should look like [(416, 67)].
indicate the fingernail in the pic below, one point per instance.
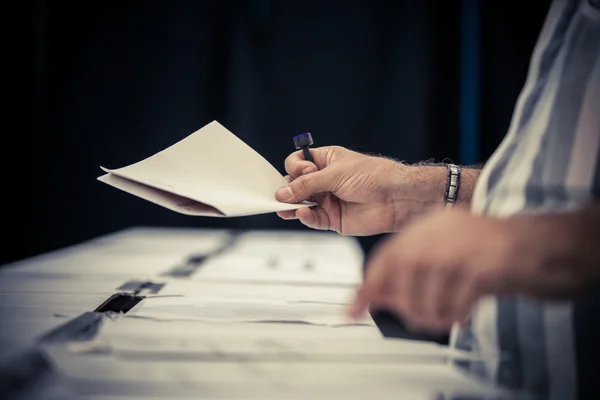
[(307, 170), (284, 194), (351, 312), (356, 309), (289, 217)]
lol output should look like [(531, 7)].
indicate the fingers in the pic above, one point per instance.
[(430, 286), (287, 215), (464, 298), (428, 296), (373, 289), (306, 186), (314, 217), (435, 302), (296, 165), (431, 307)]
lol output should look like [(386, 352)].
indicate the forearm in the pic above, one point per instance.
[(418, 188), (428, 183), (559, 253), (468, 179)]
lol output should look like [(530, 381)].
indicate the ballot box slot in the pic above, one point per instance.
[(194, 262), (119, 303), (188, 267), (138, 287)]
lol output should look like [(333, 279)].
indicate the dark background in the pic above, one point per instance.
[(110, 83)]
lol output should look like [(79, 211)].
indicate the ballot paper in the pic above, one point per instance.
[(180, 241), (267, 347), (282, 379), (287, 257), (233, 267), (209, 173), (242, 291), (223, 310), (143, 356), (148, 329)]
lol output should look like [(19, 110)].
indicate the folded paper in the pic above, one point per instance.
[(209, 173)]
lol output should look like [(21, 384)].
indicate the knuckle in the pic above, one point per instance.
[(333, 152), (302, 183), (289, 164)]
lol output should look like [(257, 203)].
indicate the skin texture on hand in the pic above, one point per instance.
[(442, 262), (440, 265), (359, 194), (433, 272)]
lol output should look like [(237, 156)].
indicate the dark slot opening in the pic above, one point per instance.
[(119, 303)]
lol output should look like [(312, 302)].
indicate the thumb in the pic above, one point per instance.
[(305, 186)]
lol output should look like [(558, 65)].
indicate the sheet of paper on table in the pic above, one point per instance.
[(248, 310), (302, 258), (144, 356), (209, 173), (244, 291), (283, 270), (174, 374), (150, 329), (249, 342), (320, 357)]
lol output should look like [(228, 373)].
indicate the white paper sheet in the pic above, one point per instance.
[(261, 380), (99, 263), (285, 271), (34, 284), (148, 329), (268, 347), (287, 257), (181, 241), (209, 173), (242, 291), (223, 310)]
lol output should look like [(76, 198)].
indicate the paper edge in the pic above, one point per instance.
[(177, 210)]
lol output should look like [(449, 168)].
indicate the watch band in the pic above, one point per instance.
[(451, 194)]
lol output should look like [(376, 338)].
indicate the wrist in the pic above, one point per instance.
[(415, 189), (425, 185), (547, 249)]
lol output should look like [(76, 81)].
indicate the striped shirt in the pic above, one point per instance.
[(549, 161)]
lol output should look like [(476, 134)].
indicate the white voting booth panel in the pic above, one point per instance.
[(208, 314)]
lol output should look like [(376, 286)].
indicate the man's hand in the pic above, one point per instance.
[(438, 267), (433, 272), (358, 194)]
